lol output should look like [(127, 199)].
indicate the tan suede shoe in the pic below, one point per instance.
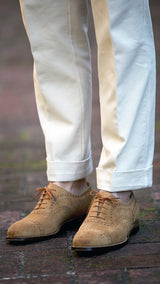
[(109, 223), (55, 207)]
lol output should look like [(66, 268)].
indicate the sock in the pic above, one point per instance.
[(75, 187), (123, 196)]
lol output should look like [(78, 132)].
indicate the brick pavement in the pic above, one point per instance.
[(22, 166)]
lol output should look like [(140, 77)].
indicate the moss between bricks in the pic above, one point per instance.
[(147, 212)]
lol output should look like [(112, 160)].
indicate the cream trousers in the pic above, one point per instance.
[(58, 34)]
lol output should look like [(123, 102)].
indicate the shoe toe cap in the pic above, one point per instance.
[(91, 238), (22, 229)]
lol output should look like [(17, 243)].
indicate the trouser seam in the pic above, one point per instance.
[(78, 79)]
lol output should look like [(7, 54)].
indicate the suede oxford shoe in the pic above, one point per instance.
[(55, 207), (108, 223)]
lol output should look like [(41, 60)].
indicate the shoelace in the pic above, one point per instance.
[(47, 194), (98, 203)]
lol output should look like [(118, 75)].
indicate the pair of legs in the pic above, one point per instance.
[(58, 34)]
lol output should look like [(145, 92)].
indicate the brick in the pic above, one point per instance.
[(22, 159), (7, 218), (146, 206), (130, 255), (9, 265), (137, 249), (56, 279), (157, 195), (123, 262), (22, 203), (143, 276), (39, 262), (149, 215), (143, 195), (156, 177), (149, 232), (17, 193), (102, 277), (59, 242), (12, 194), (10, 186)]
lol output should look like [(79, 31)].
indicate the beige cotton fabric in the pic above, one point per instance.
[(58, 34)]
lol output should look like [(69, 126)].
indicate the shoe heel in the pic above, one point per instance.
[(135, 228)]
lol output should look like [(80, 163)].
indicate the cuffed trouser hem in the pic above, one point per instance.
[(69, 171), (122, 181)]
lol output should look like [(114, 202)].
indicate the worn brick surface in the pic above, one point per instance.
[(101, 277), (143, 276), (23, 166), (137, 250), (7, 218), (48, 261), (51, 279), (149, 232), (18, 191), (9, 265), (109, 262), (57, 242)]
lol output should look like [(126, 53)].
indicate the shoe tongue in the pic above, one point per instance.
[(105, 194), (51, 185), (54, 186)]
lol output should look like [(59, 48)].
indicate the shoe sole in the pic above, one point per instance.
[(108, 247), (42, 238), (30, 240)]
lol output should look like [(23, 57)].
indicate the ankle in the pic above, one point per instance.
[(75, 187), (123, 196)]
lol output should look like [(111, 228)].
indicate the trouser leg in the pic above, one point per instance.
[(57, 31), (126, 67)]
